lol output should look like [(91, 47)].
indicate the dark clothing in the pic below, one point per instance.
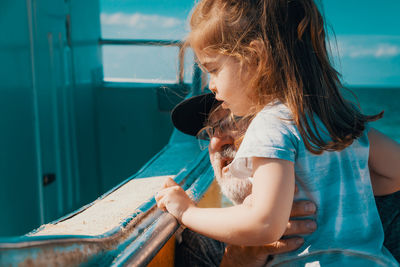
[(389, 211), (196, 250)]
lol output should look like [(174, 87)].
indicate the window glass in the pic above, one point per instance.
[(150, 19), (367, 44), (366, 51)]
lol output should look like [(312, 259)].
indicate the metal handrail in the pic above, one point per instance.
[(149, 42), (153, 42), (146, 246)]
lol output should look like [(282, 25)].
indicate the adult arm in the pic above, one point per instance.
[(384, 163), (258, 255)]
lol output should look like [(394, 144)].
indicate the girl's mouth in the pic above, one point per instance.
[(223, 104)]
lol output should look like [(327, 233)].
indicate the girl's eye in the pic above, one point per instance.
[(213, 71)]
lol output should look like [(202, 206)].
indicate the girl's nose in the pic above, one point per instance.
[(212, 86)]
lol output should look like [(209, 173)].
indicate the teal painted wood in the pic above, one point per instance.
[(47, 99), (47, 30), (19, 154), (194, 170), (84, 69), (131, 126), (61, 119)]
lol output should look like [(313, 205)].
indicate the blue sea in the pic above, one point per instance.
[(374, 100)]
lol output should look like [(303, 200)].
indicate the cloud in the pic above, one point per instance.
[(387, 50), (378, 51), (378, 47), (139, 21)]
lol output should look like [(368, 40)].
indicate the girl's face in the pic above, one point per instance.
[(227, 81)]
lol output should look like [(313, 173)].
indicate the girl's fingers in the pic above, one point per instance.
[(159, 200), (158, 196), (162, 197), (166, 191), (161, 205), (169, 182)]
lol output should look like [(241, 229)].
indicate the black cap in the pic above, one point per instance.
[(190, 115)]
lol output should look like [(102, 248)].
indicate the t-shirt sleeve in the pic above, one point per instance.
[(271, 134)]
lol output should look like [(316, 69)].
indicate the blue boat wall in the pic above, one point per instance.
[(47, 93), (137, 238), (67, 136)]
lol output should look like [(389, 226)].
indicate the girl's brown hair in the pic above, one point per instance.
[(285, 42)]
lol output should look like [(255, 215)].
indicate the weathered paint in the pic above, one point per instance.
[(69, 124), (196, 175)]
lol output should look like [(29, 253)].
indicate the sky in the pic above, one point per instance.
[(365, 44)]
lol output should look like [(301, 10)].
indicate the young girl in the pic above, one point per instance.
[(268, 61)]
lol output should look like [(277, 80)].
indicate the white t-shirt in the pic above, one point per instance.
[(349, 229)]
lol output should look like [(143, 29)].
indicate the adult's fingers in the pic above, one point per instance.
[(257, 255), (300, 227), (283, 246), (303, 208)]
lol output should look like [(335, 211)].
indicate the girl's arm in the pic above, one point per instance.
[(262, 221), (384, 163)]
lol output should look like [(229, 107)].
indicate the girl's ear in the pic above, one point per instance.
[(258, 51), (257, 45)]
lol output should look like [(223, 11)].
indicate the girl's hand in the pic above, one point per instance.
[(173, 199)]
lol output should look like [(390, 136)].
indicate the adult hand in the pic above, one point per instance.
[(258, 255)]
